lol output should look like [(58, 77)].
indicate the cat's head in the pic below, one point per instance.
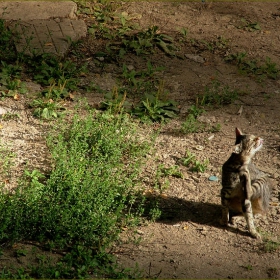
[(247, 144)]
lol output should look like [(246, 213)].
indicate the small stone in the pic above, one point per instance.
[(2, 111), (213, 178), (199, 148), (177, 225), (100, 58), (140, 232), (130, 67), (196, 58)]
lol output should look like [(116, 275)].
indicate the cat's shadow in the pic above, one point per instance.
[(175, 210)]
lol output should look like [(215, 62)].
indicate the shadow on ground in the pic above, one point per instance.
[(175, 210)]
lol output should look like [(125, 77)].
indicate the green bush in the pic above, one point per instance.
[(91, 193)]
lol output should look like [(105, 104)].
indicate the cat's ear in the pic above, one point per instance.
[(238, 134)]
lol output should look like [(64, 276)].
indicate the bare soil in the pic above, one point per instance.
[(188, 242)]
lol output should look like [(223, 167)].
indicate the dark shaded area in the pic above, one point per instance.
[(174, 210)]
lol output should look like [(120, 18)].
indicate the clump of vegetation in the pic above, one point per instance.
[(161, 177), (173, 171), (49, 69), (216, 95), (191, 124), (144, 42), (125, 37), (139, 83), (268, 69), (269, 245), (46, 109), (115, 102), (194, 164), (249, 25), (7, 49), (156, 110), (91, 194), (156, 107), (6, 163)]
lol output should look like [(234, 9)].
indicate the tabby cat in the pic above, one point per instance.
[(245, 189)]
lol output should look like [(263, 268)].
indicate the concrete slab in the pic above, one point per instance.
[(29, 10), (43, 26), (47, 36)]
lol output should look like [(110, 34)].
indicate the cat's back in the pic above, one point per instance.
[(230, 172)]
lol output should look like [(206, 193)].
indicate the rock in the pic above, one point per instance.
[(2, 111), (196, 58), (177, 225), (130, 67), (140, 232), (100, 58), (213, 178), (204, 119), (240, 111), (199, 147)]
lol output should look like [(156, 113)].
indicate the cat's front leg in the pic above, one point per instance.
[(248, 213)]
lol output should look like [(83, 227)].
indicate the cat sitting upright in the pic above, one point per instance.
[(245, 189)]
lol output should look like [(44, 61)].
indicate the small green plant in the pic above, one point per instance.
[(139, 83), (215, 128), (156, 107), (6, 163), (7, 48), (34, 177), (156, 110), (55, 92), (269, 245), (218, 95), (195, 111), (198, 166), (20, 253), (195, 165), (249, 26), (270, 69), (247, 267), (188, 159), (10, 71), (10, 116), (184, 32), (173, 171), (10, 83), (51, 70), (115, 102), (191, 124), (162, 183), (46, 109), (141, 43), (238, 58)]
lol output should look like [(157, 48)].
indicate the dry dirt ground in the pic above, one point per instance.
[(187, 242)]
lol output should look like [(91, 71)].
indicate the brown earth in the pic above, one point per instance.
[(187, 242)]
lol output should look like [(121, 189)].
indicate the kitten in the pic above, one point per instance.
[(245, 189)]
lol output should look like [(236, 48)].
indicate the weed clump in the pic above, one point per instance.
[(92, 193)]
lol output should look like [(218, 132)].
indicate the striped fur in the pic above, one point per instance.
[(245, 189)]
